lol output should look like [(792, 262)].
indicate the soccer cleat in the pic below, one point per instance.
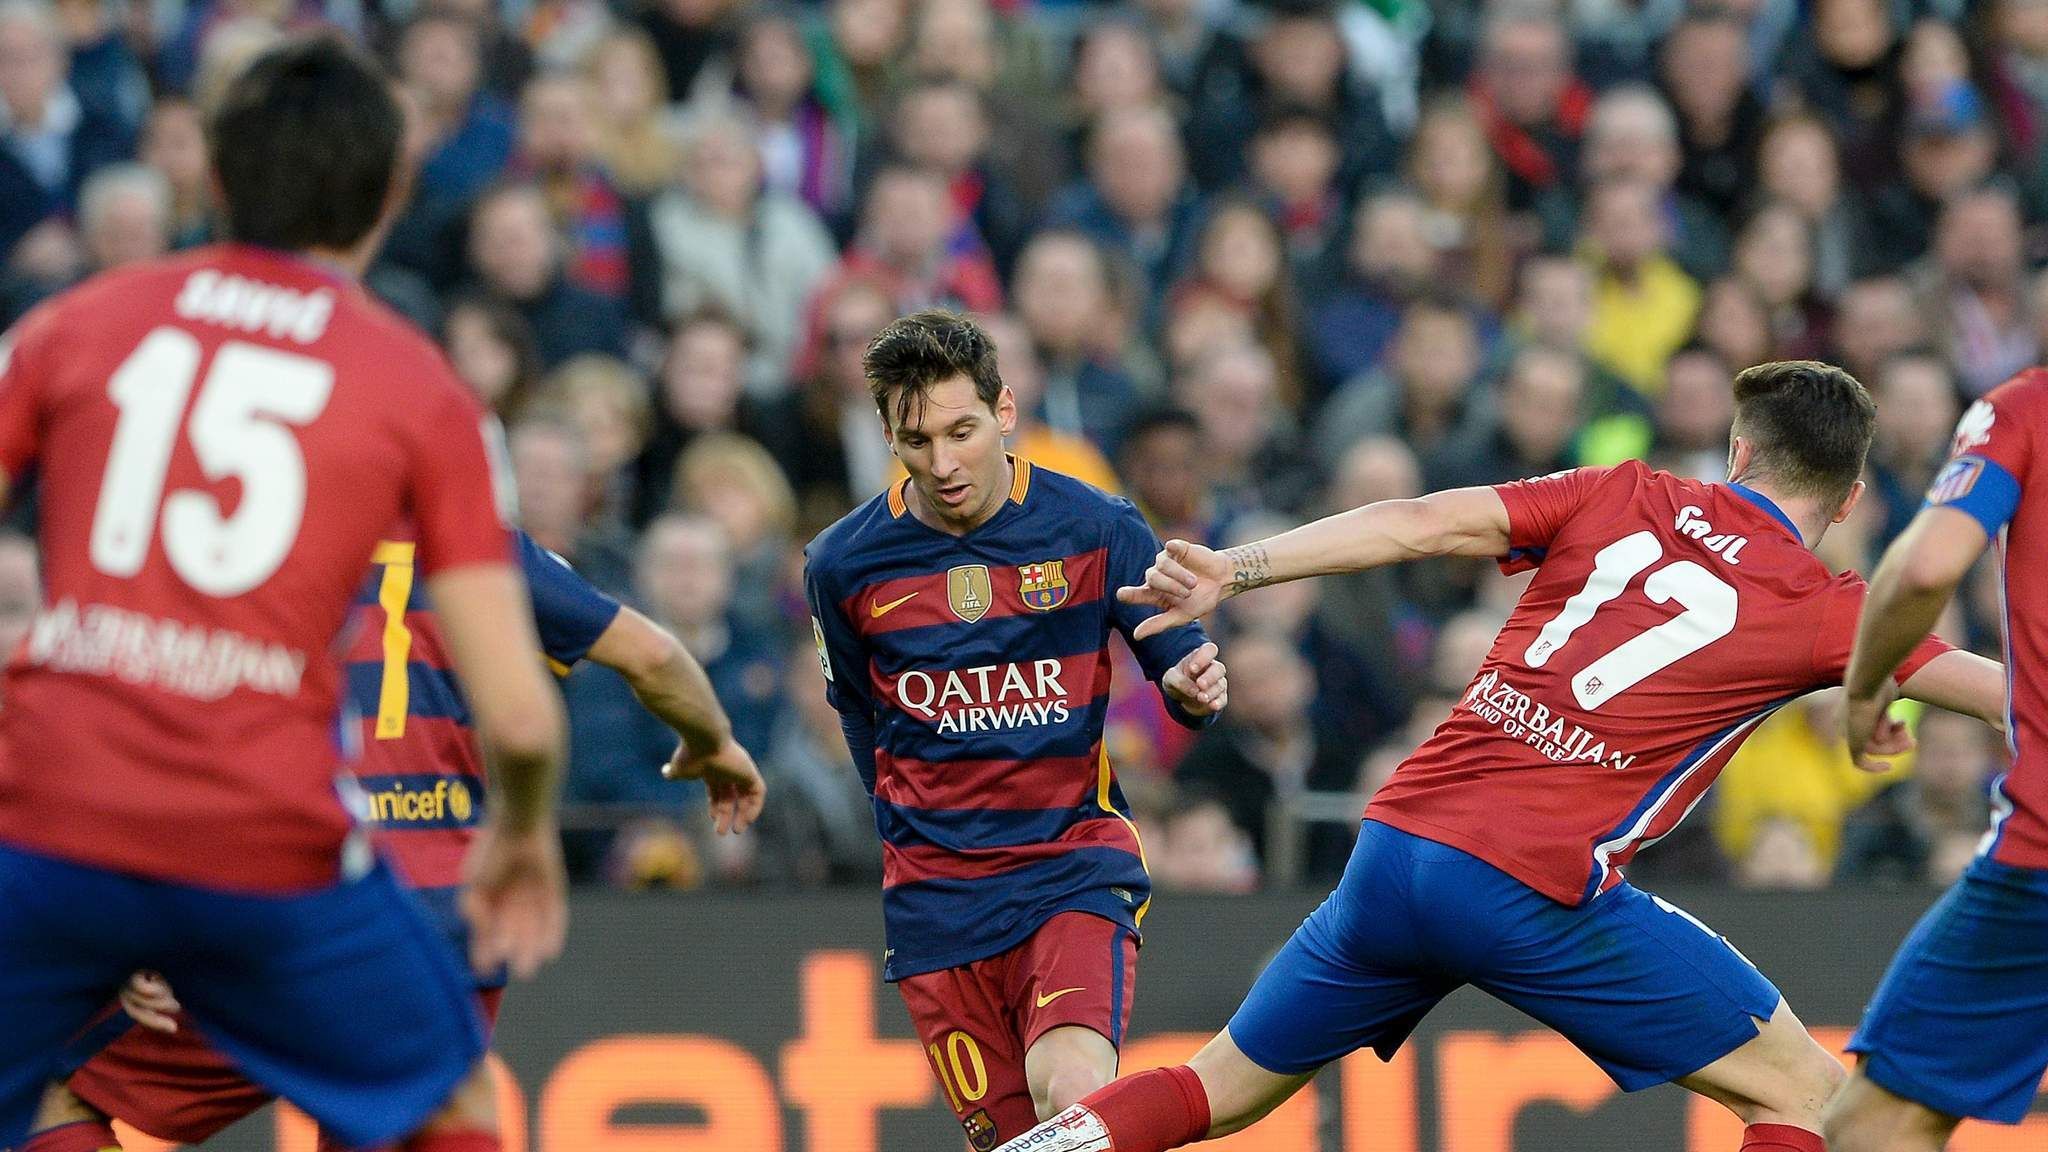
[(1078, 1129)]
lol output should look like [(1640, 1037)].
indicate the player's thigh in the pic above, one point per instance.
[(1355, 974), (1960, 1022), (971, 1041), (344, 1001), (69, 937), (1641, 986), (172, 1086), (1781, 1076), (1070, 987), (1864, 1117)]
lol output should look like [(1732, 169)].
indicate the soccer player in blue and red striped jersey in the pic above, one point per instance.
[(963, 621), (423, 782), (1960, 1025)]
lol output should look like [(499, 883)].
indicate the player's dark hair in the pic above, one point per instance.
[(1809, 424), (905, 360), (306, 145)]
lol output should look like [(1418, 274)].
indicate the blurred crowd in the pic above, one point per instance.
[(1246, 261)]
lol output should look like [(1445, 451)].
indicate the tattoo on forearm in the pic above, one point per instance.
[(1249, 569)]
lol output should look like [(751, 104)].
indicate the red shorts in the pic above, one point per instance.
[(978, 1020), (177, 1087)]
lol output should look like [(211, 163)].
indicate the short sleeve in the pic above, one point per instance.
[(1990, 455), (1836, 638), (1538, 509), (23, 360), (569, 612), (461, 481)]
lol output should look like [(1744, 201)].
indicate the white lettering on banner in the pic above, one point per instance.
[(1519, 717), (988, 697), (187, 659)]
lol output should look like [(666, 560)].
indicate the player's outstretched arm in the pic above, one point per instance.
[(514, 899), (671, 684), (1188, 581), (1912, 584)]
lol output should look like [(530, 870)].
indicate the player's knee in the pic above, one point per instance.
[(1069, 1081), (473, 1107)]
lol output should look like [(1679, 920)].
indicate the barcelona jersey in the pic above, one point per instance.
[(419, 777), (971, 674)]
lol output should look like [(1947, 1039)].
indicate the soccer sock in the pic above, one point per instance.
[(82, 1136), (453, 1140), (1780, 1138), (1152, 1111)]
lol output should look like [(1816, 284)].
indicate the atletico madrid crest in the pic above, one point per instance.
[(1044, 584)]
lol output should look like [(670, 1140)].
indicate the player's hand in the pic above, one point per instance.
[(514, 898), (730, 778), (148, 1001), (1874, 735), (1185, 582), (1198, 683)]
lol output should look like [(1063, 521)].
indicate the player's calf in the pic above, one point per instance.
[(1864, 1117), (1778, 1084)]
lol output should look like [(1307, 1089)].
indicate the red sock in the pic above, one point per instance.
[(1153, 1111), (1781, 1138), (464, 1140), (83, 1136)]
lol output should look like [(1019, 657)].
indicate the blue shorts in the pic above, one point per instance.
[(343, 1000), (1648, 992), (1960, 1023)]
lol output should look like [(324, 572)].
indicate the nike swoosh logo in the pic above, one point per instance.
[(1044, 1000), (877, 611)]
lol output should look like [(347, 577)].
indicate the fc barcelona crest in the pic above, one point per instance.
[(1044, 584), (969, 592), (981, 1131)]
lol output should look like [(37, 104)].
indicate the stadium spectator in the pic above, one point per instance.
[(1734, 322), (492, 350), (806, 153), (1427, 392), (689, 35), (1388, 261), (632, 93), (1062, 290), (863, 51), (1844, 65), (2019, 76), (1113, 68), (50, 140), (1693, 414), (943, 127), (841, 456), (908, 240), (1294, 161), (1241, 266), (1542, 409), (1372, 613), (1253, 455), (517, 256), (1644, 304), (1876, 318), (607, 402), (1161, 468), (1946, 148), (1798, 166), (1135, 201), (1916, 409), (1033, 440), (123, 216), (822, 827), (733, 482), (1774, 257), (1201, 849), (1782, 856), (1632, 134), (1925, 828), (174, 143), (685, 576), (1464, 190), (1534, 108), (559, 154), (470, 132), (551, 471), (1975, 286), (724, 240), (1794, 768), (701, 390), (1706, 74)]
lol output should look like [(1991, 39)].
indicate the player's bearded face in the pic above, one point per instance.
[(951, 443)]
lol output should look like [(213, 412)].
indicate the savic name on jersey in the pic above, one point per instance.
[(987, 698), (1519, 717)]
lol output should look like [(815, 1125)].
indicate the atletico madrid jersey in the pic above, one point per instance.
[(223, 437), (1667, 618), (1994, 475), (971, 674)]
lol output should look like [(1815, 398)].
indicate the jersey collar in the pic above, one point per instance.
[(1764, 502)]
